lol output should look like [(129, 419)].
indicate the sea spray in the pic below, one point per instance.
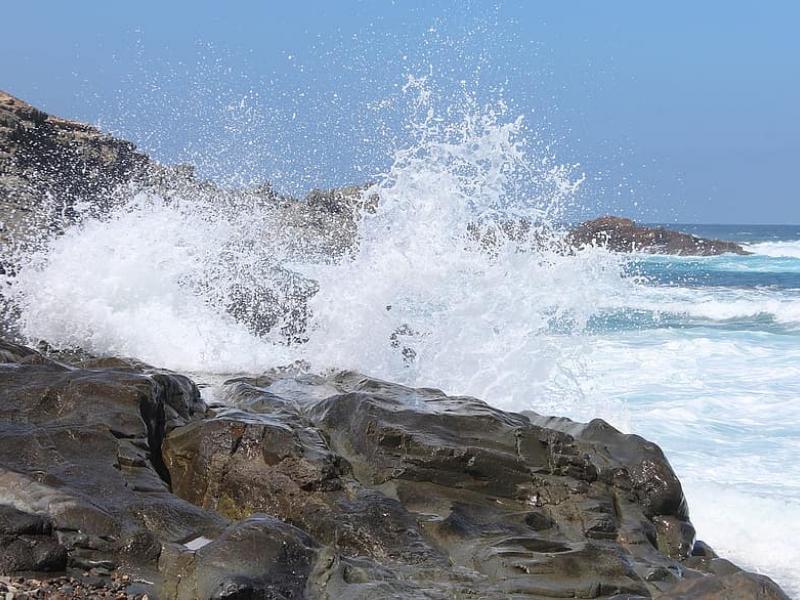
[(456, 276)]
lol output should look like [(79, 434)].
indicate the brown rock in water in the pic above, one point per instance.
[(624, 235)]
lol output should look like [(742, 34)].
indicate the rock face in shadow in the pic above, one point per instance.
[(624, 235), (47, 164)]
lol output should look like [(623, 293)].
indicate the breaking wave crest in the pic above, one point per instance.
[(786, 249), (448, 270)]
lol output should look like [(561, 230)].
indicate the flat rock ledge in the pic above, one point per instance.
[(115, 476), (624, 235)]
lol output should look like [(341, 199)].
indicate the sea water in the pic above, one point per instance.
[(698, 354), (705, 359)]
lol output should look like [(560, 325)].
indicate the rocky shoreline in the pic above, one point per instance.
[(118, 480), (337, 487)]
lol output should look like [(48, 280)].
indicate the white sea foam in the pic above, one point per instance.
[(720, 304), (786, 249), (150, 279)]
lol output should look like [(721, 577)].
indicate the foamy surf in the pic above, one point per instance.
[(785, 249)]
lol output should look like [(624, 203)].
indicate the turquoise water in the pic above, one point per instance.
[(704, 359)]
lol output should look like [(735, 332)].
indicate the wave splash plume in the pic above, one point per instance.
[(454, 275)]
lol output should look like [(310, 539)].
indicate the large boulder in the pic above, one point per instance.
[(411, 493), (624, 235)]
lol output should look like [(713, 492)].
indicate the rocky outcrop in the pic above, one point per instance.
[(53, 171), (624, 235), (301, 486), (48, 164)]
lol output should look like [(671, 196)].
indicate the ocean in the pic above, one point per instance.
[(705, 360), (700, 355)]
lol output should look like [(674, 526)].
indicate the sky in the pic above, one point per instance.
[(683, 112)]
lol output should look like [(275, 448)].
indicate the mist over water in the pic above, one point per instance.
[(454, 276)]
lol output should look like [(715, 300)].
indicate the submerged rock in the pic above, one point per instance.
[(624, 235), (302, 486)]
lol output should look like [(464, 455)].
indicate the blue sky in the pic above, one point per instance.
[(680, 111)]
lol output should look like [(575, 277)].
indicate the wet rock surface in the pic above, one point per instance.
[(300, 486), (624, 235)]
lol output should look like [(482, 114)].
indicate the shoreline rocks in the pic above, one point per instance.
[(49, 164), (625, 235), (302, 486)]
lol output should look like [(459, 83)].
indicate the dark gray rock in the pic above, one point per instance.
[(26, 553), (16, 522), (415, 494), (303, 486), (27, 543), (258, 557), (82, 446), (734, 586)]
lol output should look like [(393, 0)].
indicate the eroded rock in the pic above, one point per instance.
[(412, 493)]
